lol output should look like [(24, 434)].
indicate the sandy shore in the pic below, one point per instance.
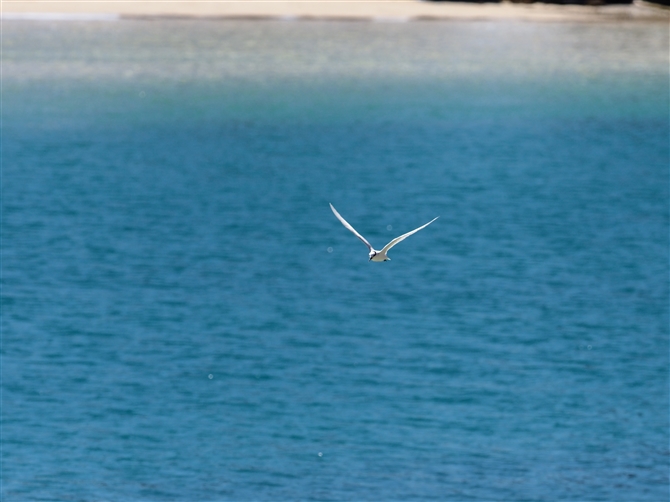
[(381, 10)]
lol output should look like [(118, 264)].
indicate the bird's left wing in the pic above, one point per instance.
[(349, 227), (404, 236)]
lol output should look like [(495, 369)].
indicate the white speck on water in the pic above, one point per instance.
[(320, 454), (210, 376), (330, 250)]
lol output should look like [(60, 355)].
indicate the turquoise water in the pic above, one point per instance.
[(174, 326)]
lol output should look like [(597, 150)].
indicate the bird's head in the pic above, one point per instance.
[(372, 254)]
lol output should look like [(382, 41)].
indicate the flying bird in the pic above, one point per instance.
[(378, 255)]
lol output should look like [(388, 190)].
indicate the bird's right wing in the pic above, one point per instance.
[(395, 241), (352, 229)]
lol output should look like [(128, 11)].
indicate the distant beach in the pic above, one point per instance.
[(391, 10)]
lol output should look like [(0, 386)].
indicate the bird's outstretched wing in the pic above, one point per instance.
[(404, 236), (352, 229)]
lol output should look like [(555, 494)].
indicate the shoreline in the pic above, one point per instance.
[(378, 11)]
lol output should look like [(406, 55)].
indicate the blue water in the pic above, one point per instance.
[(174, 327)]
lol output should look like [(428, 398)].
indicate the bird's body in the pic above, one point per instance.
[(378, 255)]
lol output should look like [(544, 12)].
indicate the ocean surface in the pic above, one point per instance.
[(184, 319)]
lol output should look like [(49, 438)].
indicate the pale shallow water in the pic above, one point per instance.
[(174, 327)]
